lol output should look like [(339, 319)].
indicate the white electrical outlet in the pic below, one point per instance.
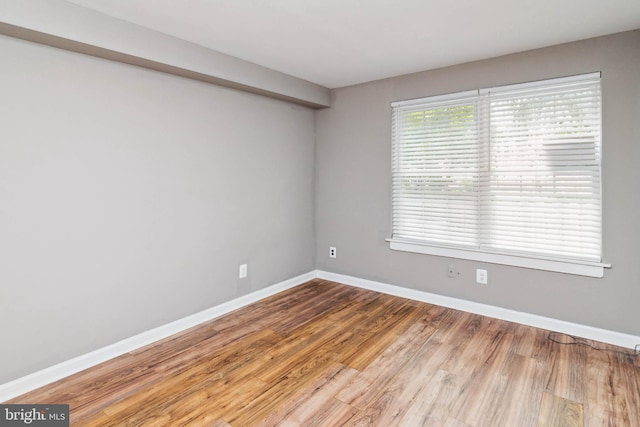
[(451, 270), (242, 271), (332, 252), (482, 277)]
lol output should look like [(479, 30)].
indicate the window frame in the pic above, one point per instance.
[(527, 260)]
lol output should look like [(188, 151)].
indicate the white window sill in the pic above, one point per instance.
[(590, 269)]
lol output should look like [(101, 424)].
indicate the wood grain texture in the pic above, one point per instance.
[(557, 411), (326, 354)]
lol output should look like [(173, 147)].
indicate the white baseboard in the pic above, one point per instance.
[(575, 329), (48, 375), (53, 373)]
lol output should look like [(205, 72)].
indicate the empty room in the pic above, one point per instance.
[(320, 213)]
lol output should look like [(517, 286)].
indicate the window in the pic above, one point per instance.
[(509, 175)]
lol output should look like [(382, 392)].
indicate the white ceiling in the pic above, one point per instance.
[(337, 43)]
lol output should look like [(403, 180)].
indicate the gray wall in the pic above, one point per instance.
[(129, 197), (353, 187)]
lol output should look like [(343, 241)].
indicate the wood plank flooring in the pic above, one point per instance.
[(326, 354)]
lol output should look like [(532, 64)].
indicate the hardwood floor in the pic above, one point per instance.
[(326, 354)]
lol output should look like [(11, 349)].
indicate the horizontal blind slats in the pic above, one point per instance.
[(514, 170)]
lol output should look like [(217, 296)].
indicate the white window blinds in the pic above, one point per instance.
[(509, 170)]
